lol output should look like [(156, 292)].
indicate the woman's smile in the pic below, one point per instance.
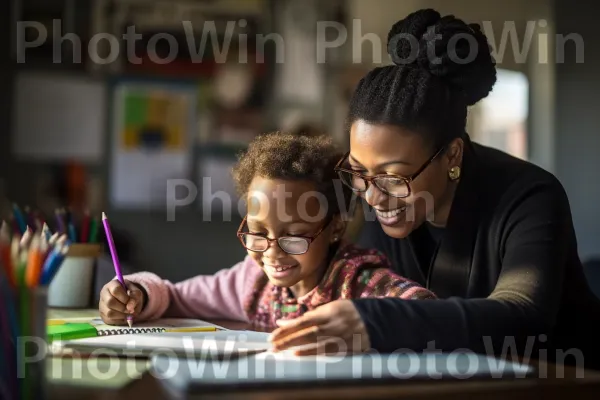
[(390, 217)]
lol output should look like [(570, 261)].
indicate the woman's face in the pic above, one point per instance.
[(386, 149)]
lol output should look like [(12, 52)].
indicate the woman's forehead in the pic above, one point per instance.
[(378, 144)]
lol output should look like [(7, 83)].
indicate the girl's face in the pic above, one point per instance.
[(385, 149), (279, 208)]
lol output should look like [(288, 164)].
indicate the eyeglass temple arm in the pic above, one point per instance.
[(239, 231), (424, 166)]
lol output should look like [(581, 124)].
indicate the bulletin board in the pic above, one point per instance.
[(153, 125), (154, 119)]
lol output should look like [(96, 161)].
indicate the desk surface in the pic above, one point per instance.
[(551, 382)]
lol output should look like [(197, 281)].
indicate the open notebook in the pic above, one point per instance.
[(78, 328)]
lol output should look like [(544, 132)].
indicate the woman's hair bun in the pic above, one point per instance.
[(448, 48)]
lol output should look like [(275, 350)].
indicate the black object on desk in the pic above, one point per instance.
[(270, 371)]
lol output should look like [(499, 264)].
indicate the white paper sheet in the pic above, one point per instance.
[(182, 344)]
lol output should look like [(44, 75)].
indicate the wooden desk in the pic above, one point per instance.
[(555, 383)]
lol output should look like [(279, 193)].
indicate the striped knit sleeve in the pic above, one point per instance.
[(357, 272), (383, 282)]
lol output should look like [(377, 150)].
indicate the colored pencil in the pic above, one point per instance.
[(70, 225), (10, 331), (7, 353), (72, 233), (34, 263), (60, 222), (93, 231), (53, 263), (46, 231), (24, 313), (23, 254), (20, 220), (85, 227), (5, 257), (115, 259), (26, 238), (15, 246)]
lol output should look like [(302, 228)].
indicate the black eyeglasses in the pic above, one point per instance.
[(294, 245), (390, 184)]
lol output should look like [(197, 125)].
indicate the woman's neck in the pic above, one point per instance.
[(442, 213)]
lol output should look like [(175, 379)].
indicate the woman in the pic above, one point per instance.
[(490, 234)]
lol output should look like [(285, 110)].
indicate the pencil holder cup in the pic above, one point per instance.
[(72, 284), (31, 345)]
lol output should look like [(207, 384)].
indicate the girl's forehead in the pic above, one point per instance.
[(284, 200), (281, 189)]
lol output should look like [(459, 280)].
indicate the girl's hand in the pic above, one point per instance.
[(116, 304), (333, 328)]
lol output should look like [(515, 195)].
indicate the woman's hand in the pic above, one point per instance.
[(333, 328), (116, 303)]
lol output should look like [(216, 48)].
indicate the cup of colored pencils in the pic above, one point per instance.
[(72, 286), (29, 261)]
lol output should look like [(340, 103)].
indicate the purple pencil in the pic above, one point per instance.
[(115, 258), (60, 223)]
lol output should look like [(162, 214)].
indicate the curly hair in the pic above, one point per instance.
[(280, 155), (446, 67)]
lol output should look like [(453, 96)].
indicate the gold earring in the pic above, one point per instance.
[(454, 173)]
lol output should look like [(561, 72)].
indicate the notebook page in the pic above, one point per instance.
[(239, 336)]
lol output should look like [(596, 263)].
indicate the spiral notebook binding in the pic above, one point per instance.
[(125, 331)]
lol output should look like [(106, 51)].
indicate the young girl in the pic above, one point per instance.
[(296, 259)]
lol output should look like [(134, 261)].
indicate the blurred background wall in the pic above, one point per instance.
[(542, 109), (578, 122)]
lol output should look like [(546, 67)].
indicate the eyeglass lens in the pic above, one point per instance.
[(291, 245), (391, 185)]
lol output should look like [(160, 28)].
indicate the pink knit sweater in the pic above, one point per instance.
[(218, 296)]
